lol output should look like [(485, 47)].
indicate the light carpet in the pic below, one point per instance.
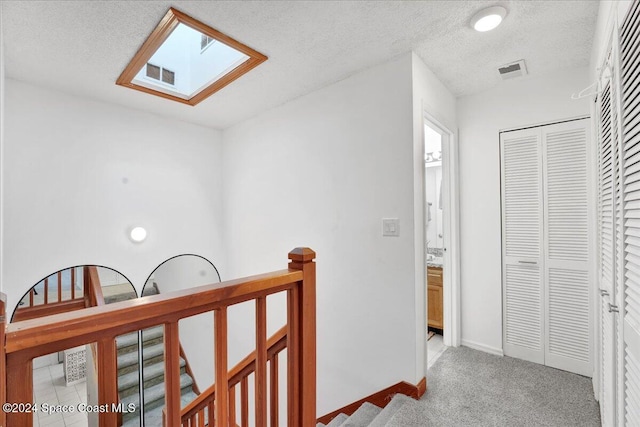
[(471, 388)]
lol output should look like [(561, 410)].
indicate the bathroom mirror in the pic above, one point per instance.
[(196, 335), (433, 189)]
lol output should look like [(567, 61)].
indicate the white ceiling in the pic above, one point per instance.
[(82, 46)]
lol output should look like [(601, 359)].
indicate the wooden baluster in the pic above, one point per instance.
[(244, 402), (172, 373), (261, 362), (46, 290), (31, 298), (222, 379), (200, 421), (73, 283), (92, 282), (20, 376), (85, 287), (107, 380), (3, 360), (293, 357), (303, 259), (273, 392), (59, 277), (232, 406), (211, 413)]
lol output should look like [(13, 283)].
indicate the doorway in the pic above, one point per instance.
[(441, 237)]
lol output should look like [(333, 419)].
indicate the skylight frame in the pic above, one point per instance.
[(165, 27)]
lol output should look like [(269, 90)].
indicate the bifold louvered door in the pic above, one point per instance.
[(630, 292), (609, 227), (546, 285), (567, 296), (522, 211)]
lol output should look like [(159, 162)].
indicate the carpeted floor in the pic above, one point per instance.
[(471, 388)]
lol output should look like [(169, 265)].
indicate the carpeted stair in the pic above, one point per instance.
[(152, 369), (369, 415)]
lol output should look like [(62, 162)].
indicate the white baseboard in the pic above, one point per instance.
[(482, 347)]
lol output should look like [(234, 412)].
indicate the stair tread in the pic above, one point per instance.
[(152, 371), (363, 416), (132, 338), (154, 416), (118, 292), (398, 401), (156, 392), (120, 297), (150, 290), (338, 420), (131, 358), (408, 415)]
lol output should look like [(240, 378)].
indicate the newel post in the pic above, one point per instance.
[(3, 359), (303, 259)]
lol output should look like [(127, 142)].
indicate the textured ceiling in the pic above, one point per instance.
[(82, 46)]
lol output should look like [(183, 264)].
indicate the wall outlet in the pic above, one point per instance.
[(390, 227)]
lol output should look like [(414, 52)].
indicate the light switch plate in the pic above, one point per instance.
[(390, 227)]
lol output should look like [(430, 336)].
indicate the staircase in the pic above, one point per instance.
[(396, 414), (152, 367), (116, 330)]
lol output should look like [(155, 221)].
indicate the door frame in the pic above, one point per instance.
[(451, 230)]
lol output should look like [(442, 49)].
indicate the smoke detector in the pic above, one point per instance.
[(513, 70)]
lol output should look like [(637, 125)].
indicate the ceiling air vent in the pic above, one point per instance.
[(515, 69)]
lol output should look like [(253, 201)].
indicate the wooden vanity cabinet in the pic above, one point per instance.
[(434, 295)]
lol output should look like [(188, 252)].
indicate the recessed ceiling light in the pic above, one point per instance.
[(138, 234), (488, 19)]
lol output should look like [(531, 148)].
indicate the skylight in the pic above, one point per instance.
[(187, 61)]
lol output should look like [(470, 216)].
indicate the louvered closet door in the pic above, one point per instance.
[(567, 297), (522, 212), (630, 311), (608, 193)]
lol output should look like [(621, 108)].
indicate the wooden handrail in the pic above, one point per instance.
[(275, 344), (38, 337), (41, 310), (33, 309), (93, 297), (102, 324)]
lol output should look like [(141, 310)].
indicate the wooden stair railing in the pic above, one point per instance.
[(93, 297), (199, 412), (75, 300), (92, 287), (36, 337)]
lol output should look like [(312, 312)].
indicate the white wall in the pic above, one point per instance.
[(2, 92), (196, 332), (513, 103), (78, 174), (322, 171)]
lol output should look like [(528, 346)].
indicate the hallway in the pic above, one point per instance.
[(467, 387)]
